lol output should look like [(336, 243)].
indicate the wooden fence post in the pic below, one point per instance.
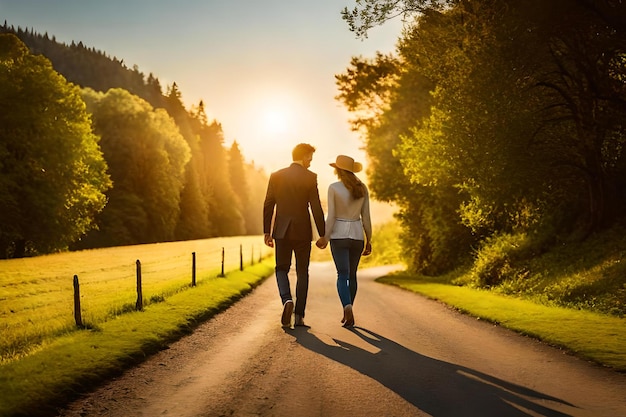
[(139, 304), (240, 257), (222, 274), (77, 315), (193, 269)]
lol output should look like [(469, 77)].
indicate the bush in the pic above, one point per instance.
[(500, 258)]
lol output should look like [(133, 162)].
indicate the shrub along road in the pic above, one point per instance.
[(407, 356)]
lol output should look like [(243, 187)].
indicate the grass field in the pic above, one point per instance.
[(37, 295), (63, 366)]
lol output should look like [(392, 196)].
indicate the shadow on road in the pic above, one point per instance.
[(438, 388)]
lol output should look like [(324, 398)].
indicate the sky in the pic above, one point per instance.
[(263, 68)]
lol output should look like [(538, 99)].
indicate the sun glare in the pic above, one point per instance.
[(275, 121), (278, 121)]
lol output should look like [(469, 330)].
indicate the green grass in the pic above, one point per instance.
[(64, 365), (588, 275), (597, 337), (36, 294)]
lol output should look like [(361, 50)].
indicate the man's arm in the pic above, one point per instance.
[(268, 212), (316, 208)]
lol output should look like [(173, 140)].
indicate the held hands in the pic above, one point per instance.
[(322, 243)]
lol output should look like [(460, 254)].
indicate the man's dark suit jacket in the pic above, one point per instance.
[(292, 190)]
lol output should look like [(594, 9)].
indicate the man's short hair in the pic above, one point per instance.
[(301, 150)]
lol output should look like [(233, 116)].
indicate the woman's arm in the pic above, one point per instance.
[(330, 219), (367, 223)]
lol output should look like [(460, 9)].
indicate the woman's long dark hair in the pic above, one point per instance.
[(352, 183)]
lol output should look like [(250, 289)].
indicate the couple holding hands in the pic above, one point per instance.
[(348, 228)]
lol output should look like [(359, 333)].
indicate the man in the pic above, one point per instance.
[(291, 191)]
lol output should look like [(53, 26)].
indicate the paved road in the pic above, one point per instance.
[(407, 356)]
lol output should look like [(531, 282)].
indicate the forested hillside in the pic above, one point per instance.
[(95, 154), (498, 128)]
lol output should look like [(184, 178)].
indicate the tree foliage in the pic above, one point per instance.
[(499, 118), (257, 186), (171, 172), (370, 13), (147, 157), (52, 172), (238, 180)]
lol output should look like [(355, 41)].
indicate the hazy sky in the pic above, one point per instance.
[(264, 68)]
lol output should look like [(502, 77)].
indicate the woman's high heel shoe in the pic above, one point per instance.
[(348, 316)]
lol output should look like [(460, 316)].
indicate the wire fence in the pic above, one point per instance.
[(171, 266)]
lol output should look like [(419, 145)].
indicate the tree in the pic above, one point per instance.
[(257, 186), (208, 205), (224, 208), (522, 129), (250, 186), (370, 13), (52, 172), (585, 102), (147, 157), (477, 137), (391, 96), (237, 179), (194, 221)]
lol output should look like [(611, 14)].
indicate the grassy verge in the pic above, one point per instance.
[(596, 337), (59, 368)]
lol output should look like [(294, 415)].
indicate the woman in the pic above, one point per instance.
[(349, 230)]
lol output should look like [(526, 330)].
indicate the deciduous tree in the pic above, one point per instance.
[(52, 173), (522, 127), (147, 157)]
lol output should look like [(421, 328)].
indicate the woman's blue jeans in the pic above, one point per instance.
[(346, 254)]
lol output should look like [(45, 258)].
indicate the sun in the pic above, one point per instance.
[(275, 121)]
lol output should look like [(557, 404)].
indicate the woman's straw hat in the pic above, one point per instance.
[(346, 163)]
